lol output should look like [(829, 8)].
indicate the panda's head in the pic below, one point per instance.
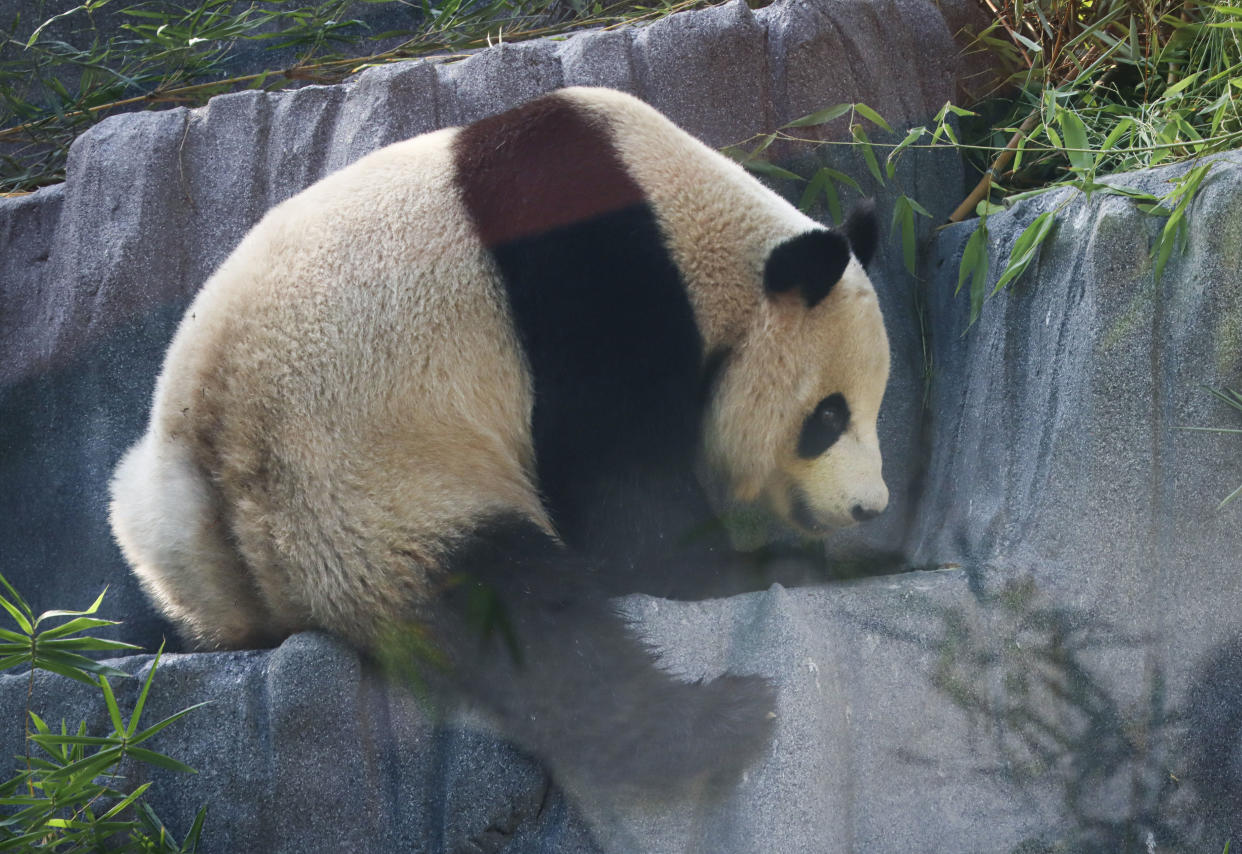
[(790, 427)]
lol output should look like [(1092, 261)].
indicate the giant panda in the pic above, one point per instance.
[(470, 387)]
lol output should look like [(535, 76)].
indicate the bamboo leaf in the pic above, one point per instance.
[(813, 189), (80, 624), (1025, 248), (173, 718), (142, 695), (868, 153), (133, 796), (918, 209), (770, 170), (833, 198), (913, 136), (766, 141), (1114, 135), (196, 830), (974, 266), (903, 227), (53, 739), (94, 606), (1221, 506), (76, 667), (1182, 84), (872, 116), (114, 711), (159, 760), (18, 617), (34, 37), (820, 117), (88, 644), (1075, 132), (1027, 43)]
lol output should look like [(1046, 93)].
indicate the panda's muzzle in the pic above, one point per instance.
[(804, 517)]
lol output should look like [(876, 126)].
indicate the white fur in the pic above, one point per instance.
[(347, 393)]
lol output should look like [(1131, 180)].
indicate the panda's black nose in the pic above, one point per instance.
[(862, 514)]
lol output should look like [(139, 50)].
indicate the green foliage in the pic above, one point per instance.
[(1106, 87), (1232, 398), (65, 797), (824, 184), (974, 265), (1090, 89), (165, 53)]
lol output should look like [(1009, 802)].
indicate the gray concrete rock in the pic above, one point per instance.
[(731, 104), (599, 58), (835, 53), (1060, 674), (303, 748), (495, 80), (154, 201)]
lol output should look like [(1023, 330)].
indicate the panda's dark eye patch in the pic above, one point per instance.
[(824, 426)]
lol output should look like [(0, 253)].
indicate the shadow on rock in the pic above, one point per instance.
[(1214, 737), (1050, 690)]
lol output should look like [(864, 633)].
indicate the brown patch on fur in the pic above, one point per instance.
[(537, 168)]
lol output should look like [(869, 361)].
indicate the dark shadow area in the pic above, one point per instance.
[(1214, 737), (1044, 688), (61, 433)]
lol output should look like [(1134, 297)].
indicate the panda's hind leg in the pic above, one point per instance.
[(532, 639), (165, 517)]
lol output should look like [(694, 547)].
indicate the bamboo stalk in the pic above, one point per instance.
[(981, 189)]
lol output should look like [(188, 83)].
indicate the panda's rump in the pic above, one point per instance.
[(169, 525), (352, 391)]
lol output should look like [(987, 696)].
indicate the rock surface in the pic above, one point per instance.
[(1060, 673), (97, 272)]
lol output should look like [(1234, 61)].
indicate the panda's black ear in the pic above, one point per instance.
[(863, 231), (812, 263)]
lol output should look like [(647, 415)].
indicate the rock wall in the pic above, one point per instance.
[(96, 272), (1060, 673)]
